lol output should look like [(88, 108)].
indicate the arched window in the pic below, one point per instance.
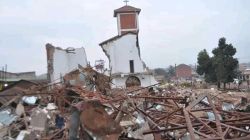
[(133, 81)]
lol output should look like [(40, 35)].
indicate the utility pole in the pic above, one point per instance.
[(5, 76), (1, 77)]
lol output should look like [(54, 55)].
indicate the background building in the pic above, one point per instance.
[(184, 72), (7, 78)]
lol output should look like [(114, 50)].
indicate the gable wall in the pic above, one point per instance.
[(121, 51)]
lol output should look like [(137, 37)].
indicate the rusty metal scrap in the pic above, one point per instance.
[(131, 113), (167, 114)]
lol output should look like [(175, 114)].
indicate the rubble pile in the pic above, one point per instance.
[(76, 110)]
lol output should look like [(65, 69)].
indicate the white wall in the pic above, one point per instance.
[(146, 80), (121, 51), (64, 62)]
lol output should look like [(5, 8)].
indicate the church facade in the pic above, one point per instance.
[(123, 51)]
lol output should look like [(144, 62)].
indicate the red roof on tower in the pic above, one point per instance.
[(126, 9)]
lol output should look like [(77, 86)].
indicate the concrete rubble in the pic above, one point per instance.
[(84, 106)]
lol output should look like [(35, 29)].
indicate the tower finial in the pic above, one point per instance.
[(126, 2)]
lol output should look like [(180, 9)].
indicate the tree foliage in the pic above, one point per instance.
[(168, 72), (171, 71), (160, 71), (205, 66), (221, 67)]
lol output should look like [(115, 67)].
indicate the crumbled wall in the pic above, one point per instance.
[(61, 61), (88, 77), (121, 51)]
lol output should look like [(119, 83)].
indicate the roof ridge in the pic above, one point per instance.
[(126, 8)]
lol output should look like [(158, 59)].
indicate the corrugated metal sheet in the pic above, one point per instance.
[(6, 117)]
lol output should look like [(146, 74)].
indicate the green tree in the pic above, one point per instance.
[(171, 71), (224, 64), (205, 66), (168, 72), (160, 71), (222, 67)]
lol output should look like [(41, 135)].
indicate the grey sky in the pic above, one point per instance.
[(171, 31)]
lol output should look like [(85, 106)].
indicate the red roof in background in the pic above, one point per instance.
[(183, 71), (126, 9)]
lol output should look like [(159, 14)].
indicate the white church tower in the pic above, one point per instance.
[(123, 51), (127, 19)]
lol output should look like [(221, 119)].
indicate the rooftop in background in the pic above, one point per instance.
[(9, 76), (183, 71), (246, 72), (244, 66)]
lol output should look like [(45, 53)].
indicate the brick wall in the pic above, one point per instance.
[(183, 71)]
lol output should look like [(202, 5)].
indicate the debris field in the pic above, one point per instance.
[(92, 110)]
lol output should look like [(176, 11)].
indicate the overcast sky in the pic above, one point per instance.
[(171, 31)]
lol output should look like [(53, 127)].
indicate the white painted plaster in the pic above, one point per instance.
[(121, 51), (146, 80), (64, 62), (118, 24)]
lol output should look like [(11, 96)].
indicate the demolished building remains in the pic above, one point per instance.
[(61, 61), (123, 51), (73, 111), (81, 103)]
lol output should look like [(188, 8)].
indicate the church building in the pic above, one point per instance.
[(123, 51)]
